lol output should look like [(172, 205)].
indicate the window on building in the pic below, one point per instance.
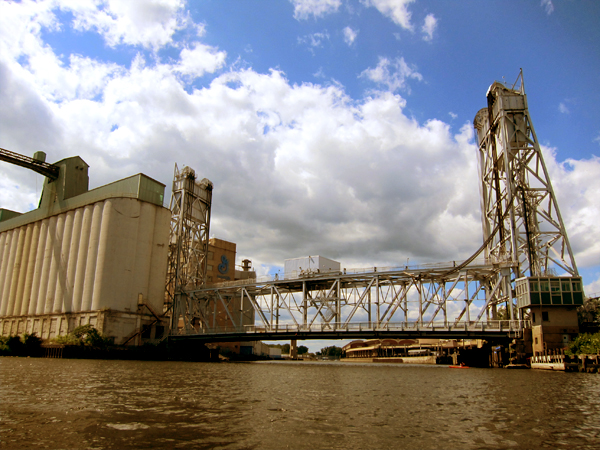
[(545, 317), (534, 286)]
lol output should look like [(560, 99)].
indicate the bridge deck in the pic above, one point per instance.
[(494, 330), (447, 301)]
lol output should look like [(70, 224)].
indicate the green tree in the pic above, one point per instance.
[(503, 313), (83, 335), (12, 345), (302, 350), (32, 344), (586, 344), (331, 351), (589, 315)]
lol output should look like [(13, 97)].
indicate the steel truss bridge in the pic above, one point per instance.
[(523, 233), (443, 301)]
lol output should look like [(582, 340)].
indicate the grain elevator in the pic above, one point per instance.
[(95, 257)]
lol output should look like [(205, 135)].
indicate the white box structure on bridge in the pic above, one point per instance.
[(307, 265), (94, 257)]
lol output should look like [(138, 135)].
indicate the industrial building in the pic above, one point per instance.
[(113, 257), (95, 257)]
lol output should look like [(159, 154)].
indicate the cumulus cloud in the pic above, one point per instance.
[(429, 27), (396, 10), (303, 9), (148, 23), (200, 59), (548, 6), (392, 74), (577, 186), (350, 35), (298, 169)]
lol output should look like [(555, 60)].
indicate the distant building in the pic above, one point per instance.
[(405, 348), (221, 268), (221, 261)]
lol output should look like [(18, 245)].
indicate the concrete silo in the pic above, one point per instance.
[(84, 256)]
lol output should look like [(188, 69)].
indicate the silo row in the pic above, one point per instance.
[(99, 256)]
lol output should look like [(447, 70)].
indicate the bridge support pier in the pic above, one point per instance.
[(293, 349)]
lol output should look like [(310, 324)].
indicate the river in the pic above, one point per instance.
[(97, 404)]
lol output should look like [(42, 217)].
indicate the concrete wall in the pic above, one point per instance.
[(115, 324), (99, 256)]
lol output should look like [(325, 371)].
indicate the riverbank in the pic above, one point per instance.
[(394, 360)]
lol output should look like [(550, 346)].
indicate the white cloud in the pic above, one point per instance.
[(453, 115), (200, 59), (148, 23), (315, 39), (397, 10), (593, 289), (350, 35), (392, 74), (548, 6), (429, 27), (563, 108), (303, 9), (577, 187), (597, 139), (298, 168)]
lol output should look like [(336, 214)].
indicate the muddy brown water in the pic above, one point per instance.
[(95, 404)]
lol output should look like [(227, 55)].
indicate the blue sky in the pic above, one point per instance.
[(333, 127)]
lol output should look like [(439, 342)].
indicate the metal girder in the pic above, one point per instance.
[(397, 299), (188, 246), (517, 196), (48, 170)]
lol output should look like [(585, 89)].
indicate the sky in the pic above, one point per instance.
[(340, 128)]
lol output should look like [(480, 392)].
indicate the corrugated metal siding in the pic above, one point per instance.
[(138, 187)]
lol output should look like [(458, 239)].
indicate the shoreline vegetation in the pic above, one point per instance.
[(85, 342)]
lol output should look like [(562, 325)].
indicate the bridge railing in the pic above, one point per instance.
[(355, 271), (493, 326)]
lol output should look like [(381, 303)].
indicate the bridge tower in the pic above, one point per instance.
[(188, 245), (522, 224)]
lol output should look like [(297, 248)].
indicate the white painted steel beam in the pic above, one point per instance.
[(403, 294)]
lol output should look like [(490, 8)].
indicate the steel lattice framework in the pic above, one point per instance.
[(518, 203), (439, 300), (188, 243), (523, 234)]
